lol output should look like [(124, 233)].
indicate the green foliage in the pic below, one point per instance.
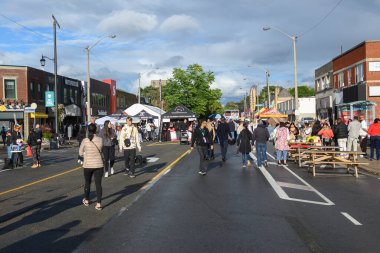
[(153, 93), (231, 106), (264, 91), (191, 88), (303, 91)]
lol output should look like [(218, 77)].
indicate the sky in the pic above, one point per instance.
[(155, 36)]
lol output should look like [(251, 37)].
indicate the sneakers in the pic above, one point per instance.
[(112, 171), (244, 166), (106, 174), (34, 166), (132, 176), (265, 163), (248, 163), (202, 173)]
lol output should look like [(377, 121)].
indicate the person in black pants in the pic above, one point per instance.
[(202, 138), (223, 132), (108, 135), (129, 141)]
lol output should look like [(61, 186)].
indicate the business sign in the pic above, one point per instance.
[(29, 110), (374, 66), (71, 83), (374, 91), (49, 99)]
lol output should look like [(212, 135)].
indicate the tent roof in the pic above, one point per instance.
[(136, 108), (179, 112), (145, 115)]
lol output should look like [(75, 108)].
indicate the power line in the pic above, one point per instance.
[(26, 28), (323, 19)]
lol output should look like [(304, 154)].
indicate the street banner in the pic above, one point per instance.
[(49, 99)]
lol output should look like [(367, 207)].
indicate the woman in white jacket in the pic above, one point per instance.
[(129, 142)]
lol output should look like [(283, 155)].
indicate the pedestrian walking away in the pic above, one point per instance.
[(341, 133), (261, 137), (224, 134), (38, 132), (90, 150), (282, 146), (108, 135), (202, 138), (211, 129), (374, 133), (244, 143), (128, 142)]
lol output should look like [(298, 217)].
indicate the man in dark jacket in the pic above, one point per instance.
[(201, 137), (223, 133), (261, 137), (341, 133), (38, 132)]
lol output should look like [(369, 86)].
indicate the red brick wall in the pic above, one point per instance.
[(21, 81)]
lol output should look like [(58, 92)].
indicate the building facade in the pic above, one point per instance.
[(307, 107), (124, 100), (357, 81), (324, 92)]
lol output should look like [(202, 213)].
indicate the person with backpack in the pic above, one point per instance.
[(203, 139), (341, 133), (224, 134), (129, 142), (108, 136), (90, 150)]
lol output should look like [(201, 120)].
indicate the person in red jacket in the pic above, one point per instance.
[(327, 135), (374, 133)]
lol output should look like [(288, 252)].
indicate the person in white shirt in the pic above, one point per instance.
[(129, 142)]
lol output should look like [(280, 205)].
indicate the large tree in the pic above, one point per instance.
[(153, 94), (191, 88), (303, 91)]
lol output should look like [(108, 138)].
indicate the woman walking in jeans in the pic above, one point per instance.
[(282, 146), (108, 135), (90, 149)]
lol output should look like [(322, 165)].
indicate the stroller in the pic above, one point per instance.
[(184, 138)]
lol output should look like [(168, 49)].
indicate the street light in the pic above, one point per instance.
[(43, 62), (294, 39), (267, 75), (88, 48)]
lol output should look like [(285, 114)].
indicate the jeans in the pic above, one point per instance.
[(352, 144), (202, 151), (129, 158), (282, 155), (245, 157), (98, 174), (109, 156), (261, 152), (233, 135), (375, 143), (363, 144), (342, 143), (223, 148)]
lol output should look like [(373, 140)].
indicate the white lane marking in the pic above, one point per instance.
[(294, 186), (122, 210), (152, 159), (280, 192), (306, 183), (166, 172), (352, 219)]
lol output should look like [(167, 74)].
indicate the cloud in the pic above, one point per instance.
[(179, 23), (126, 23)]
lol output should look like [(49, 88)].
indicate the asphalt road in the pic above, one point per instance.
[(41, 209), (235, 209)]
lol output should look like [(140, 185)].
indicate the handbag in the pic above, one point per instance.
[(29, 151), (127, 141)]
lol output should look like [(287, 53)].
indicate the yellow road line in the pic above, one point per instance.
[(39, 181), (165, 170)]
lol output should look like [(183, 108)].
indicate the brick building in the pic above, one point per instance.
[(324, 91), (356, 74)]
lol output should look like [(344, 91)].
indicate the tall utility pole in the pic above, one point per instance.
[(139, 88), (88, 48), (161, 104), (268, 90), (55, 24)]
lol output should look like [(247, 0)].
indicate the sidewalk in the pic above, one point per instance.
[(373, 166)]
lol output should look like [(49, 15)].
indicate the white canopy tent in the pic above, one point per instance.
[(101, 120), (155, 111)]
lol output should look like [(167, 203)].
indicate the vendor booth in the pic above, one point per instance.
[(152, 110), (174, 122)]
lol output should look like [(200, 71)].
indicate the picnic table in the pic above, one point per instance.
[(334, 157), (301, 154)]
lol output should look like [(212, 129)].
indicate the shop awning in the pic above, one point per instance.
[(39, 115)]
